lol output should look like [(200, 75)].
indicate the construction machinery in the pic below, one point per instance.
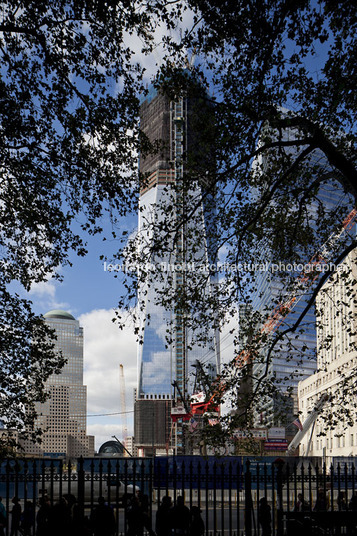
[(279, 314), (308, 423)]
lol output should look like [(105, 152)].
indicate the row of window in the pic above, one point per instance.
[(350, 440)]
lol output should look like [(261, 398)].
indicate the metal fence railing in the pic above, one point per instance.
[(228, 496)]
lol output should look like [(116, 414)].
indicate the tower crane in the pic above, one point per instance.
[(122, 402), (279, 313)]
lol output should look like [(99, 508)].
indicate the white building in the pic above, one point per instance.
[(130, 446), (336, 306)]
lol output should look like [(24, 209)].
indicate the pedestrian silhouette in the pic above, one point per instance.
[(28, 518), (264, 516), (15, 516), (43, 516), (321, 501), (163, 517), (180, 518), (341, 501), (197, 526), (102, 519), (301, 505), (134, 518), (59, 518), (3, 518)]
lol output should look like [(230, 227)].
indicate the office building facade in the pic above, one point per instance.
[(336, 305), (294, 358), (63, 416), (169, 347)]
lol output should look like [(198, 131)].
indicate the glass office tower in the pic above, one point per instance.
[(169, 348), (294, 361), (63, 415)]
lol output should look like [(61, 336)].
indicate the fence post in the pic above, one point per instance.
[(80, 490), (279, 493), (248, 507)]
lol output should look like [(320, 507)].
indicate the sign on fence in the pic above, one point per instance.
[(276, 444)]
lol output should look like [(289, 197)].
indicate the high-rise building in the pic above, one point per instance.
[(63, 416), (169, 348), (293, 361)]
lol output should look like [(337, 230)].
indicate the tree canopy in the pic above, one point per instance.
[(69, 86), (279, 78)]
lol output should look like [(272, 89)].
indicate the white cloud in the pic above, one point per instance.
[(105, 348), (153, 60), (43, 289), (43, 296)]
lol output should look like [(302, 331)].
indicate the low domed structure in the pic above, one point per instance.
[(59, 313), (111, 448)]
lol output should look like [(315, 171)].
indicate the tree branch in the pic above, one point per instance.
[(334, 156), (293, 328)]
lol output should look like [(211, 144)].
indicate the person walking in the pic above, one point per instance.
[(180, 518), (28, 518), (197, 526), (3, 518), (15, 516), (264, 516), (102, 519), (60, 518), (301, 505), (143, 501), (43, 516), (163, 517), (134, 518)]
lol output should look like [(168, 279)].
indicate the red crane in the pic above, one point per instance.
[(279, 313)]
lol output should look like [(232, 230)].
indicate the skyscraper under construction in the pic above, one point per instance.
[(175, 236)]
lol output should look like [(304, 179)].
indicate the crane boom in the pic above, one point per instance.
[(279, 313), (309, 421), (179, 411), (304, 281)]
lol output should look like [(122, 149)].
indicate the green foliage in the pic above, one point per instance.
[(281, 81), (282, 92), (68, 92)]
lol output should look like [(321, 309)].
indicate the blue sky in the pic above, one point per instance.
[(90, 294)]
